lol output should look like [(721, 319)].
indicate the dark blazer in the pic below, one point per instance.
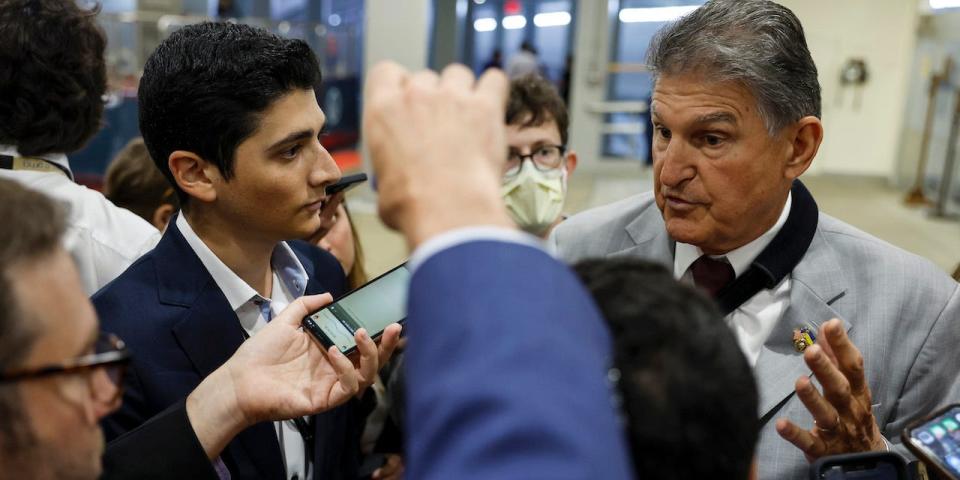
[(507, 370), (180, 328)]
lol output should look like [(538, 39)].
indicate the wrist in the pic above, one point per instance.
[(215, 413)]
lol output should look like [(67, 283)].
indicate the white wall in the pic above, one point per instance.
[(862, 141), (397, 30)]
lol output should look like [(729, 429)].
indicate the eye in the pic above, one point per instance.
[(665, 133), (291, 152), (712, 140), (323, 133)]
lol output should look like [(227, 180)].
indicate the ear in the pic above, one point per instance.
[(162, 215), (571, 162), (194, 175), (805, 139)]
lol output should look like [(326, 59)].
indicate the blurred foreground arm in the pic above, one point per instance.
[(507, 371)]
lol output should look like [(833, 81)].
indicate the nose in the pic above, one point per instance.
[(324, 170), (674, 164)]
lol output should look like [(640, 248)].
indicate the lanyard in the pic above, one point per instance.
[(34, 164)]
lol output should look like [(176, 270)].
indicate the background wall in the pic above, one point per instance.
[(864, 140)]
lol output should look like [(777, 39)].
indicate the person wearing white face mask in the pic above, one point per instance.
[(538, 163)]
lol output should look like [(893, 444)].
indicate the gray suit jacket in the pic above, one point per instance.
[(899, 309)]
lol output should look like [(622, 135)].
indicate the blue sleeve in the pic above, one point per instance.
[(507, 370)]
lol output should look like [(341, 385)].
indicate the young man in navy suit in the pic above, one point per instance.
[(230, 117)]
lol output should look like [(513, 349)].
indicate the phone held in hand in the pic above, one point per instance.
[(373, 306), (935, 440), (346, 183), (860, 466)]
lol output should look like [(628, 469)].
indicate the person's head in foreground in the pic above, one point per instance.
[(735, 108), (538, 164), (687, 391), (134, 182), (58, 375)]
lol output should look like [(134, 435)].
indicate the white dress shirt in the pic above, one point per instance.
[(102, 238), (753, 321), (254, 311)]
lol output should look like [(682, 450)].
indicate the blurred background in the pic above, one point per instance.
[(888, 69)]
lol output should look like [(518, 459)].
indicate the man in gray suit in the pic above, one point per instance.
[(736, 107)]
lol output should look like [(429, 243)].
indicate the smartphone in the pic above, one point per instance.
[(935, 440), (860, 466), (346, 183), (373, 306)]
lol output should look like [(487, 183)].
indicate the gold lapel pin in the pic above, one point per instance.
[(803, 338)]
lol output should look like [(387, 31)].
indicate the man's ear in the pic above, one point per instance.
[(194, 175), (571, 162), (805, 138)]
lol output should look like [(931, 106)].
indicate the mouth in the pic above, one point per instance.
[(678, 203), (315, 205)]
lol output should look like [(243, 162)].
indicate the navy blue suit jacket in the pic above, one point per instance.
[(507, 367), (180, 327)]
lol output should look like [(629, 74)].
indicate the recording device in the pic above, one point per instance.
[(373, 306), (935, 440), (860, 466), (346, 183)]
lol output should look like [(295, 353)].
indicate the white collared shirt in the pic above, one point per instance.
[(103, 239), (253, 312), (753, 321)]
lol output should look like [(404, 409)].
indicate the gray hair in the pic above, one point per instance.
[(756, 43)]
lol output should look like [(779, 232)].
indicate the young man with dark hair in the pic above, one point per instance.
[(52, 82), (538, 163), (135, 183), (59, 376), (229, 115), (687, 390)]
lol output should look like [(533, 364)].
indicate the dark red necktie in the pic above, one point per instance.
[(711, 274)]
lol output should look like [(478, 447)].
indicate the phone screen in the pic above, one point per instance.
[(939, 438), (373, 306)]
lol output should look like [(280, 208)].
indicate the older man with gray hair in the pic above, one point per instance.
[(736, 113)]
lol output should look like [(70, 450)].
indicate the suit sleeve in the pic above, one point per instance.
[(507, 369), (164, 447)]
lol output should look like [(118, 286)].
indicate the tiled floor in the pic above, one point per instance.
[(868, 204)]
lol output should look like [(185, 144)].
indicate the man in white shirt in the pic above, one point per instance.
[(50, 108), (230, 117), (736, 106)]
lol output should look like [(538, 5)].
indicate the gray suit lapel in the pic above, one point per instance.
[(649, 238), (817, 284)]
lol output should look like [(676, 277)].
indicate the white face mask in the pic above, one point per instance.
[(535, 199)]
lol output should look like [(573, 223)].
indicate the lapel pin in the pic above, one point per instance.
[(803, 338)]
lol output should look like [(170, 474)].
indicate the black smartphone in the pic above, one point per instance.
[(935, 440), (373, 306), (346, 183), (860, 466)]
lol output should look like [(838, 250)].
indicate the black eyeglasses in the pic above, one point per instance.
[(110, 354), (544, 158)]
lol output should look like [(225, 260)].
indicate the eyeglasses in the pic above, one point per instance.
[(544, 158), (110, 354)]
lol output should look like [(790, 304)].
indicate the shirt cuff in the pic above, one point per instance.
[(460, 236)]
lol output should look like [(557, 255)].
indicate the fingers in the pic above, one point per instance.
[(369, 357), (346, 374), (384, 77), (824, 415), (389, 342), (391, 469), (812, 446), (457, 77), (495, 84), (301, 307), (848, 358), (836, 388)]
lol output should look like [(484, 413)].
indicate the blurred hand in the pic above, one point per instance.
[(280, 373), (438, 144), (843, 414), (328, 217), (392, 469)]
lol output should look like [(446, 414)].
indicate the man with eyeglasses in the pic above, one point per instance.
[(538, 164), (59, 376)]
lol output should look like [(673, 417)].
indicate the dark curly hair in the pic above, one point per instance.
[(535, 101), (52, 75), (205, 87)]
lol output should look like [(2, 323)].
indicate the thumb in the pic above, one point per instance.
[(301, 307)]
